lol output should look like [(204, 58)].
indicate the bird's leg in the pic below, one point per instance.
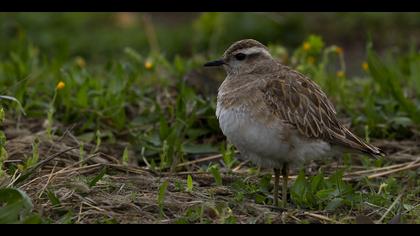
[(285, 173), (276, 186)]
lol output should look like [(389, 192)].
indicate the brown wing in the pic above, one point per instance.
[(300, 102)]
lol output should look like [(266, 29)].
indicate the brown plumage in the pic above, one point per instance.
[(291, 97), (275, 115), (297, 100)]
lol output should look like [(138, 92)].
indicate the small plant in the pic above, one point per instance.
[(32, 160), (82, 153), (189, 184), (215, 171), (228, 156), (97, 178), (3, 152), (51, 109), (319, 193), (161, 195), (125, 157), (16, 207)]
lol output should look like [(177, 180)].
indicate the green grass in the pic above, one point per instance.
[(138, 104)]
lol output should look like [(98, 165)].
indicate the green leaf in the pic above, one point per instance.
[(189, 183), (1, 115), (402, 121), (125, 157), (199, 148), (15, 205), (388, 78), (98, 140), (194, 133), (162, 192), (97, 178), (164, 129), (228, 156), (299, 189), (317, 182), (55, 201), (265, 183), (2, 139), (334, 204), (67, 218), (33, 219), (87, 137), (336, 180), (14, 100), (325, 194), (214, 169), (260, 198), (316, 42)]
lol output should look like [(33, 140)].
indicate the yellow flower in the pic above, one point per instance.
[(339, 50), (306, 46), (365, 66), (126, 19), (60, 85), (340, 74), (148, 65), (311, 60), (80, 62)]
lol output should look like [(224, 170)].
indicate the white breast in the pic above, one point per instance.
[(267, 145)]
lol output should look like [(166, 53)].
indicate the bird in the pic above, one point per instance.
[(277, 117)]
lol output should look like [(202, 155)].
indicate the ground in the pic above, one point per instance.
[(98, 188)]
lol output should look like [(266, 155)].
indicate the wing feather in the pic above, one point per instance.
[(299, 101)]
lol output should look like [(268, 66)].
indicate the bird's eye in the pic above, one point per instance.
[(240, 56)]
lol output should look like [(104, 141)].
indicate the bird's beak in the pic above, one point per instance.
[(215, 63)]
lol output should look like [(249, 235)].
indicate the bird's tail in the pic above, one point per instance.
[(364, 147), (353, 143), (372, 150)]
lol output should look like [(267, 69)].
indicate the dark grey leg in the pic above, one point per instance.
[(276, 187), (285, 173)]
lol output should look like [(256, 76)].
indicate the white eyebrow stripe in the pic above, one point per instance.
[(253, 50)]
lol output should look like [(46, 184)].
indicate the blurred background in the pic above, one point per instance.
[(98, 36)]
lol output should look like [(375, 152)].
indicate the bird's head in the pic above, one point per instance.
[(243, 57)]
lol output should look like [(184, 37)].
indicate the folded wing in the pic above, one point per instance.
[(297, 100)]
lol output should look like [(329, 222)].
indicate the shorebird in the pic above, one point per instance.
[(276, 116)]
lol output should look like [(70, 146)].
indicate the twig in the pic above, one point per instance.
[(110, 157), (66, 169), (236, 169), (408, 210), (62, 171), (294, 218), (209, 158), (378, 208), (79, 217), (51, 157), (41, 163), (376, 169), (130, 169), (407, 167), (12, 161), (15, 177), (60, 139), (392, 206), (94, 207), (321, 217), (48, 181)]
